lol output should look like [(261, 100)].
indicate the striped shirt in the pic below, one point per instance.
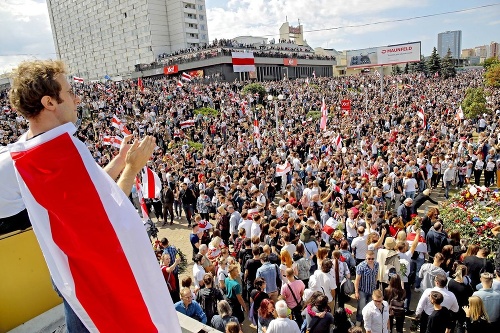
[(368, 281), (172, 252)]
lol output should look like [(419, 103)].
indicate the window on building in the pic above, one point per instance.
[(200, 7), (202, 17), (202, 27), (125, 14)]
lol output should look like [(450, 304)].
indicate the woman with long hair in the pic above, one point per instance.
[(477, 318), (233, 293), (341, 320), (472, 250), (449, 260), (287, 262), (258, 295), (395, 295), (303, 265), (461, 288), (429, 219), (321, 255), (266, 314)]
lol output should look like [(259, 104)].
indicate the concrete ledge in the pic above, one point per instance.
[(53, 321), (49, 321)]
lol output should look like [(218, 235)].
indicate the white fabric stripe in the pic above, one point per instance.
[(129, 229), (242, 55), (243, 68)]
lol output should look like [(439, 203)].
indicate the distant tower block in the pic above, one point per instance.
[(294, 33)]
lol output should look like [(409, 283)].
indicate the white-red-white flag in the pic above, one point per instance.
[(186, 123), (180, 84), (116, 122), (185, 76), (421, 115), (142, 203), (91, 234), (283, 169), (77, 79), (338, 142), (114, 141), (243, 62), (314, 74), (151, 184), (324, 115), (256, 131)]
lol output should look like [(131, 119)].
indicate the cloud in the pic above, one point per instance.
[(263, 18), (26, 32)]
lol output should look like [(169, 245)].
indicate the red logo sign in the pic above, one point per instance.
[(397, 49), (169, 70), (289, 62), (345, 104)]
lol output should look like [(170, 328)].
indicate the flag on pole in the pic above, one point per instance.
[(142, 203), (436, 74), (283, 169), (186, 77), (77, 79), (180, 84), (91, 234), (314, 74), (324, 115), (256, 131), (307, 80), (421, 115), (151, 183), (186, 123)]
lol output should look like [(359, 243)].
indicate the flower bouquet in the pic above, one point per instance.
[(473, 212)]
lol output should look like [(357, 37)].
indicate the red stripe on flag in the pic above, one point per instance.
[(151, 183), (104, 282), (243, 61)]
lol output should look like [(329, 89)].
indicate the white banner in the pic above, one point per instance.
[(384, 55)]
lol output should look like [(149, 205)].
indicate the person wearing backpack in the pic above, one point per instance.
[(292, 293), (208, 297), (395, 296)]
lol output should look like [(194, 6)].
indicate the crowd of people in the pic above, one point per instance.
[(338, 224)]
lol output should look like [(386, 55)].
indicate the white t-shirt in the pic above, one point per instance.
[(255, 230), (198, 273), (247, 225), (359, 243), (411, 184)]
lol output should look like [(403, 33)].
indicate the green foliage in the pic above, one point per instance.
[(396, 70), (195, 145), (474, 103), (492, 76), (315, 115), (407, 68), (254, 88), (421, 65), (434, 63), (490, 62), (207, 112), (447, 67)]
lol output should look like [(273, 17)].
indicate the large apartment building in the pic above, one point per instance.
[(450, 40), (109, 37)]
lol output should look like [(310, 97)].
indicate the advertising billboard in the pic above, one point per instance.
[(384, 55)]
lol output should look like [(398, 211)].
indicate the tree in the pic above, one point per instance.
[(492, 76), (396, 70), (474, 103), (407, 68), (254, 88), (490, 62), (434, 63), (421, 66), (447, 67)]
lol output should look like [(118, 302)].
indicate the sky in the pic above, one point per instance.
[(25, 31)]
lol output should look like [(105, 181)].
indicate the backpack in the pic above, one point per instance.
[(303, 267), (392, 264), (209, 301), (397, 307)]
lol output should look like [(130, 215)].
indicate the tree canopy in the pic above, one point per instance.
[(474, 103)]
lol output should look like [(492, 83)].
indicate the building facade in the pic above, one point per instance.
[(109, 37), (450, 40)]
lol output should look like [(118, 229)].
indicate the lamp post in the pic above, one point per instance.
[(397, 92), (366, 96), (271, 98)]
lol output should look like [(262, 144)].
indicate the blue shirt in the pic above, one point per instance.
[(193, 310), (368, 281), (491, 300), (268, 272)]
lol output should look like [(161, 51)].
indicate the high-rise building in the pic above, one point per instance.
[(109, 37), (450, 40)]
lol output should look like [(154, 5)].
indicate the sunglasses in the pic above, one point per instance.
[(370, 258)]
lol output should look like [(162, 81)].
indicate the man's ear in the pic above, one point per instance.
[(47, 103)]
